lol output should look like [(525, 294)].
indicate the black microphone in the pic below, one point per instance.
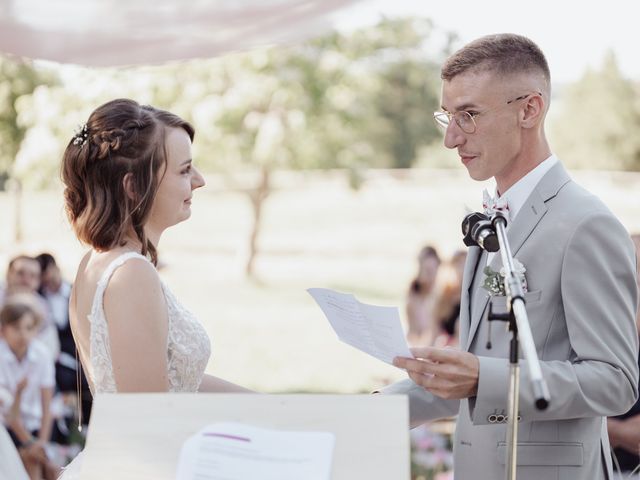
[(479, 231)]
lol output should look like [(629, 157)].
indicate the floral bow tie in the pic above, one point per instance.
[(492, 205)]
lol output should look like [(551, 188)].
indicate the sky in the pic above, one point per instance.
[(573, 36)]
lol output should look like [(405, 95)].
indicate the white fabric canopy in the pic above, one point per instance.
[(126, 32)]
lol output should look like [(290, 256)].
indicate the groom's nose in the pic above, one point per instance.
[(453, 136)]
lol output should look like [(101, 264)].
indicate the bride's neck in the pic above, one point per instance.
[(133, 242)]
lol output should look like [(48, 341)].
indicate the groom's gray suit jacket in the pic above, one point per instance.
[(581, 303)]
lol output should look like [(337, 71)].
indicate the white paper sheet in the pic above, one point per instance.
[(373, 329), (234, 451)]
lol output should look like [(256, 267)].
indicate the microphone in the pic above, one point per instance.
[(479, 231)]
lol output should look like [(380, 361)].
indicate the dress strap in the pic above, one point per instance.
[(106, 276)]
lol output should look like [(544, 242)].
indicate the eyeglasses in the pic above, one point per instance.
[(466, 120)]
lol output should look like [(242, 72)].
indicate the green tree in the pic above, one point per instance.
[(350, 101), (18, 78), (599, 120)]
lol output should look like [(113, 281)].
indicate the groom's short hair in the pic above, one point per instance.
[(504, 54)]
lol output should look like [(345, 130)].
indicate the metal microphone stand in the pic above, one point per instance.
[(520, 328)]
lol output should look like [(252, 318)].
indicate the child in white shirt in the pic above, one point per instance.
[(27, 372)]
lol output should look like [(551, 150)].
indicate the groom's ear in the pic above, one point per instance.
[(533, 111)]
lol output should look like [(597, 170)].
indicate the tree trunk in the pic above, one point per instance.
[(258, 196)]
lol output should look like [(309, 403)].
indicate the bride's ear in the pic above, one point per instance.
[(129, 188)]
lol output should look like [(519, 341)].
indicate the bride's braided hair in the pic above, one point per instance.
[(121, 137)]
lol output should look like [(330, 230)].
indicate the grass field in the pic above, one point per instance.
[(268, 334)]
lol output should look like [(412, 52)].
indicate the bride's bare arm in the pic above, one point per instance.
[(136, 314), (213, 384)]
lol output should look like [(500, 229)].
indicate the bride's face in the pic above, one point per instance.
[(173, 198)]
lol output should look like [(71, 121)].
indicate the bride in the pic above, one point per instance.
[(128, 176)]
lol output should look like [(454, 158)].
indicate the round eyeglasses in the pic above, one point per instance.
[(466, 120)]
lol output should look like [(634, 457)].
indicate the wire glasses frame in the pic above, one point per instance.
[(465, 120)]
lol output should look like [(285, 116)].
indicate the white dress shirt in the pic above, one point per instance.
[(519, 192), (58, 304), (38, 367)]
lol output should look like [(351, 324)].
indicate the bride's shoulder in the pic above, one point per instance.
[(133, 271), (114, 267)]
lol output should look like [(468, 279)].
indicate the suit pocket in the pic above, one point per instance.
[(563, 454), (499, 302)]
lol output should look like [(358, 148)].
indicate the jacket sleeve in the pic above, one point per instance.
[(423, 406)]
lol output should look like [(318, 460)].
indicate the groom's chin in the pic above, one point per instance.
[(476, 175)]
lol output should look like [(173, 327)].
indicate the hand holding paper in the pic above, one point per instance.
[(372, 329)]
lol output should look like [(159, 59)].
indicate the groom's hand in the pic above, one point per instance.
[(446, 372)]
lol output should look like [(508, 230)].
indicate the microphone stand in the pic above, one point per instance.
[(520, 328)]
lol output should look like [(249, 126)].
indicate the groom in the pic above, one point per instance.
[(580, 273)]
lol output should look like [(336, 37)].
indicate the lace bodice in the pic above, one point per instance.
[(188, 347)]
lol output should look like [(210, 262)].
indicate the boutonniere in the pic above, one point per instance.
[(494, 281)]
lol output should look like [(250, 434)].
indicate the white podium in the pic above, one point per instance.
[(139, 436)]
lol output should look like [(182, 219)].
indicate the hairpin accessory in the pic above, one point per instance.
[(81, 135)]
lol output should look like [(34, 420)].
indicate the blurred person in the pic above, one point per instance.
[(624, 430), (27, 372), (56, 292), (54, 288), (420, 297), (128, 175), (580, 275), (447, 300), (23, 276)]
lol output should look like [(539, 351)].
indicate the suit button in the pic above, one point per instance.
[(500, 418), (492, 418)]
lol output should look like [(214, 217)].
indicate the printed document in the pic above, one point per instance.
[(373, 329), (235, 451)]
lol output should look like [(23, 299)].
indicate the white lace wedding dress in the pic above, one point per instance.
[(188, 348)]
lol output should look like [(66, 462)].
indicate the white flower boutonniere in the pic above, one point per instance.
[(494, 281)]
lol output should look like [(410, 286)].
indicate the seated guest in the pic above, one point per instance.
[(23, 276), (26, 371), (56, 292)]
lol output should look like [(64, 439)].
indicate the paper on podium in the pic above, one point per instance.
[(235, 451), (138, 436), (373, 329)]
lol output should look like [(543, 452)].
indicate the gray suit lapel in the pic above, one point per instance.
[(528, 217), (525, 223), (470, 269)]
